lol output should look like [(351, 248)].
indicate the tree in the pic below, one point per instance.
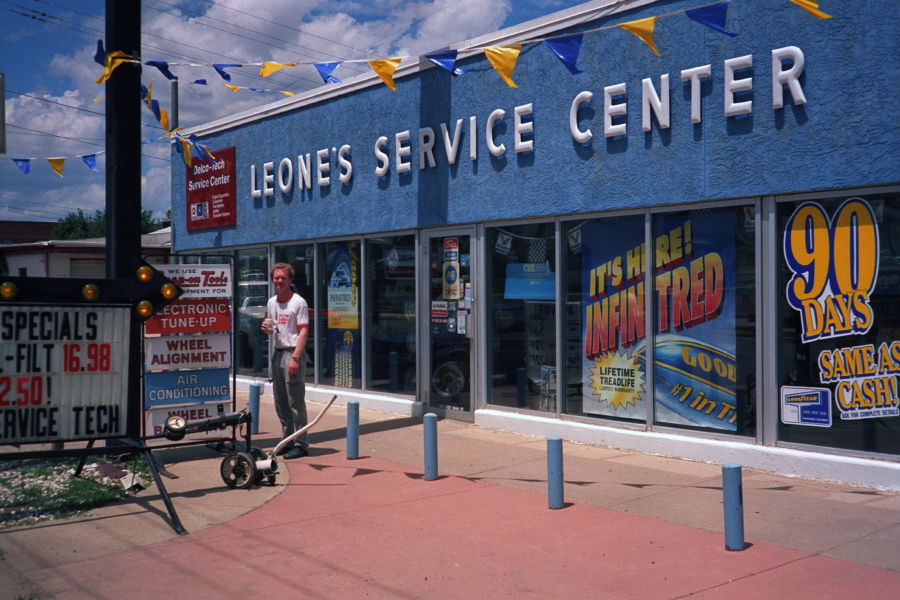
[(79, 226)]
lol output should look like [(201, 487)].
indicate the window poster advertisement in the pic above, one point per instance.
[(693, 261), (834, 260), (343, 313), (211, 191)]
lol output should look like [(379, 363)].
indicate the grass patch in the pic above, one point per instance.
[(42, 489)]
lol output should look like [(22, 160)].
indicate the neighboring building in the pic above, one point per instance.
[(21, 232), (76, 258), (694, 254)]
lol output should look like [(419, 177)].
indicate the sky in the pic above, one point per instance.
[(55, 110)]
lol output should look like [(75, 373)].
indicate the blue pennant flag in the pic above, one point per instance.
[(446, 59), (91, 161), (325, 71), (202, 153), (101, 53), (199, 81), (163, 67), (712, 16), (567, 49), (220, 69), (258, 91), (24, 164)]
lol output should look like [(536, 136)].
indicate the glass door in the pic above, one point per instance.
[(451, 326)]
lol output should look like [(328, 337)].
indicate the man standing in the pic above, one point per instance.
[(290, 314)]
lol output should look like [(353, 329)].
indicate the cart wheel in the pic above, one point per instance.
[(238, 470)]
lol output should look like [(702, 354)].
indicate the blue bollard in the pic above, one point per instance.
[(352, 430), (254, 408), (555, 495), (733, 495), (431, 458)]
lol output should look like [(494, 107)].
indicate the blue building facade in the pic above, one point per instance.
[(686, 248)]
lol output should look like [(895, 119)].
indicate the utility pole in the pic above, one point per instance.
[(123, 176)]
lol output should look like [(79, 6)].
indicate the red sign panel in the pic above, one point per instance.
[(212, 191), (192, 316)]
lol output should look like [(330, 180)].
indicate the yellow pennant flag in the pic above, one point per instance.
[(385, 69), (285, 93), (233, 88), (57, 164), (112, 60), (186, 152), (811, 6), (271, 67), (643, 28), (164, 119), (504, 61)]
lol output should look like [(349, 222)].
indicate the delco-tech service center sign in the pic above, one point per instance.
[(62, 373)]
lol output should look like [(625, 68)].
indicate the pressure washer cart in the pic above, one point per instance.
[(242, 467)]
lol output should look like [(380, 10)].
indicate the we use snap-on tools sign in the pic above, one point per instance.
[(62, 373)]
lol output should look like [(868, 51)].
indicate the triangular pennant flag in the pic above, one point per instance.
[(233, 88), (446, 60), (285, 93), (163, 67), (812, 7), (643, 28), (257, 90), (24, 164), (98, 99), (271, 67), (57, 164), (200, 81), (91, 161), (163, 118), (325, 71), (504, 61), (110, 63), (713, 16), (220, 69), (100, 54), (385, 69), (185, 151), (567, 49)]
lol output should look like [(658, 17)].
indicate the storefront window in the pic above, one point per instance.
[(605, 341), (339, 302), (704, 319), (839, 323), (250, 295), (703, 325), (300, 256), (391, 315), (522, 317)]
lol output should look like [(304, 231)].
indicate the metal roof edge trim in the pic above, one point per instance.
[(536, 28)]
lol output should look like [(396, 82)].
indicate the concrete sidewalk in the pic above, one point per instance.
[(634, 526)]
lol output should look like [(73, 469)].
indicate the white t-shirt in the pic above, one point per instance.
[(289, 317)]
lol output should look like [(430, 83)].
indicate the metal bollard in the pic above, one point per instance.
[(352, 430), (431, 458), (254, 408), (733, 495), (555, 495)]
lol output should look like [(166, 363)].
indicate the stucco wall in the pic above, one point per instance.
[(846, 134)]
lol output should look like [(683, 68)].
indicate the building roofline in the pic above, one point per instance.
[(534, 29)]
